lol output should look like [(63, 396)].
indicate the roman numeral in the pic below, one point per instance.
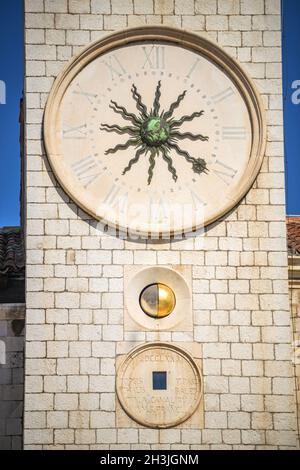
[(115, 199), (223, 95), (78, 132), (193, 68), (159, 210), (111, 195), (123, 203), (155, 57), (89, 96), (197, 201), (115, 67), (86, 170), (224, 172), (234, 133)]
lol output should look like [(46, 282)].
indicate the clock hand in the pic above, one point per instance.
[(198, 164)]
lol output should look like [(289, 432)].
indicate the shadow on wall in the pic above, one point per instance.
[(11, 376)]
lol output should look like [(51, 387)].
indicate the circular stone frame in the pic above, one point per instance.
[(122, 371), (185, 39), (164, 275)]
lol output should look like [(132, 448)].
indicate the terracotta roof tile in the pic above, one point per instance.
[(12, 253), (293, 235)]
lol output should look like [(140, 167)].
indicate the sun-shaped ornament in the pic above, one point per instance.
[(156, 133)]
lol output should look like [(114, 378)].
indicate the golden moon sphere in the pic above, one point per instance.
[(157, 300)]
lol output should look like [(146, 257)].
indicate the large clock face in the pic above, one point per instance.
[(154, 133)]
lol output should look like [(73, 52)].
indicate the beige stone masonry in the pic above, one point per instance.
[(75, 270)]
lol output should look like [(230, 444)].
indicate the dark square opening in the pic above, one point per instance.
[(159, 380)]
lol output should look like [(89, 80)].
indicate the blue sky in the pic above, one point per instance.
[(291, 96), (11, 73)]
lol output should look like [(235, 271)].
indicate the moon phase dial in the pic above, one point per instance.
[(157, 300)]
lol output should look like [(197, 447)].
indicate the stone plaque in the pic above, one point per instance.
[(159, 385)]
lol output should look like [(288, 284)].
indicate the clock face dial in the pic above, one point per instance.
[(151, 136)]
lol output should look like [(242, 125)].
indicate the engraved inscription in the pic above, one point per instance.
[(159, 407)]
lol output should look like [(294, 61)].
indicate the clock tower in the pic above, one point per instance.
[(157, 293)]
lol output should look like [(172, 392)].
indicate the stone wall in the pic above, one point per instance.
[(75, 271), (11, 375), (294, 278)]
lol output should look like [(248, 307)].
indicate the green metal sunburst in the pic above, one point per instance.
[(155, 133)]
